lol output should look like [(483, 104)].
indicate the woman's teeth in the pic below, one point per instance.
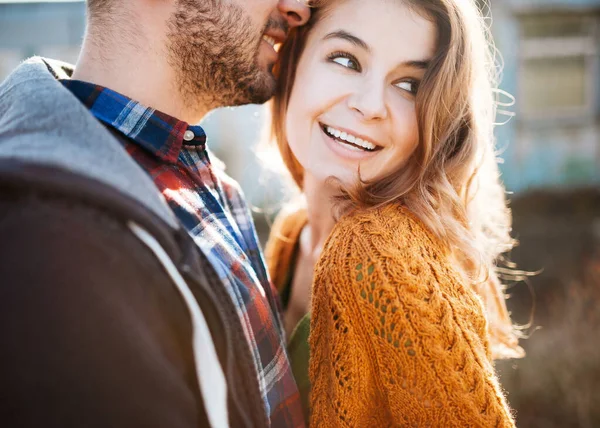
[(270, 40), (349, 138)]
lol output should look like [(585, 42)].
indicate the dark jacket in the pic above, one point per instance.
[(109, 314)]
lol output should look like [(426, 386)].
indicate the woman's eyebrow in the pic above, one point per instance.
[(356, 41), (422, 65), (344, 35)]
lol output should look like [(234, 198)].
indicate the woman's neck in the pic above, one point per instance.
[(319, 200)]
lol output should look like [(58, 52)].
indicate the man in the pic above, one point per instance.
[(132, 288)]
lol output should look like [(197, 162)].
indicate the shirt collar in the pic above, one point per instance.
[(161, 134)]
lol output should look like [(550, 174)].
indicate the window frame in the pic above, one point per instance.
[(585, 46)]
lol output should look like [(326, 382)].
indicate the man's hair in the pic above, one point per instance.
[(97, 8)]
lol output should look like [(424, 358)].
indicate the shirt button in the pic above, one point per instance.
[(188, 135)]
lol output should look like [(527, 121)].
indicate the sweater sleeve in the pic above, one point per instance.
[(396, 339)]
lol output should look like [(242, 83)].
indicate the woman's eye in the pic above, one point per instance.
[(408, 86), (347, 62)]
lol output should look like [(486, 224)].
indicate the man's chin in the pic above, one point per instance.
[(259, 91)]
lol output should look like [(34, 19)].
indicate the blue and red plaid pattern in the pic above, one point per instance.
[(212, 208)]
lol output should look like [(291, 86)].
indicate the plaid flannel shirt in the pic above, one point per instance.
[(212, 208)]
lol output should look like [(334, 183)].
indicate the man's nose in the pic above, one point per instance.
[(296, 12)]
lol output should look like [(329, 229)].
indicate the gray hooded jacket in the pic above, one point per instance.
[(71, 197)]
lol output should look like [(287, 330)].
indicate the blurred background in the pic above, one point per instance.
[(551, 152)]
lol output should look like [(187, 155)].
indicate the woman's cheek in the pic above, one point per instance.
[(404, 122)]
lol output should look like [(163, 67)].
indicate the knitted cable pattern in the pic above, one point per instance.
[(397, 337)]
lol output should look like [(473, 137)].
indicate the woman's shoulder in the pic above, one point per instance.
[(386, 291), (388, 258), (390, 229), (392, 249)]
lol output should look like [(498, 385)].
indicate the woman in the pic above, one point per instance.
[(384, 119)]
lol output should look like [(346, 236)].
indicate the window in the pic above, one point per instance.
[(559, 65)]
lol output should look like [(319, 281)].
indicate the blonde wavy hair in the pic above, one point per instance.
[(452, 181)]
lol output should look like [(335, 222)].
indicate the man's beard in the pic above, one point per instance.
[(214, 49)]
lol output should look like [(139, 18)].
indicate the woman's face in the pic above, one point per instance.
[(353, 101)]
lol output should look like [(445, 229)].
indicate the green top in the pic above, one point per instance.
[(298, 352), (298, 349)]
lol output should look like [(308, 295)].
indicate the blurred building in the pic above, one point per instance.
[(552, 67), (550, 50)]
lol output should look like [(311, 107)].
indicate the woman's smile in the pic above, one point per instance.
[(347, 144)]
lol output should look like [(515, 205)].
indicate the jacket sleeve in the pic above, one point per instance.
[(395, 338), (92, 332)]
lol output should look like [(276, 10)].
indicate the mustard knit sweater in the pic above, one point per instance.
[(397, 338)]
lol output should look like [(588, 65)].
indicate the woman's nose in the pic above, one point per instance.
[(296, 12), (369, 101)]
